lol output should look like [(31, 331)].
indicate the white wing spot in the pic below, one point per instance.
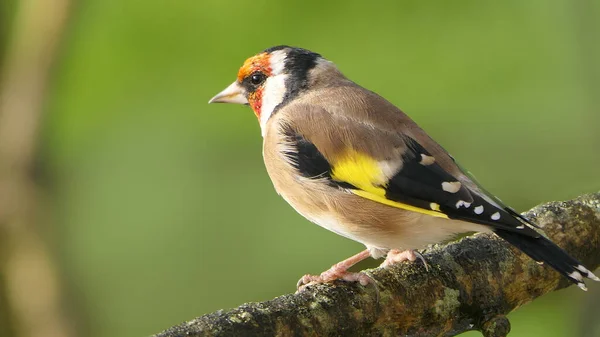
[(460, 203), (388, 168), (478, 210), (495, 216), (520, 227), (451, 187), (426, 160), (467, 204)]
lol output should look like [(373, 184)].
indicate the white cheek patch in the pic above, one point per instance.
[(273, 94), (274, 88)]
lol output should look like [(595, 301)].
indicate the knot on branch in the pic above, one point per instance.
[(497, 326)]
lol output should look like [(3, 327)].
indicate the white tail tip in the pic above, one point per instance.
[(588, 273)]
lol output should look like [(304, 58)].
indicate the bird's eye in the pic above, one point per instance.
[(257, 78)]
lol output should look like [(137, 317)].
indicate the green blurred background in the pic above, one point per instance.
[(157, 206)]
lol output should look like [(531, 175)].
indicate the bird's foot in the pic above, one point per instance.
[(339, 271), (396, 256), (332, 275)]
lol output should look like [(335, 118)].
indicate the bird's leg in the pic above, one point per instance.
[(396, 256), (339, 271)]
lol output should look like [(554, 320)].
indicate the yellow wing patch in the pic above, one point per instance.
[(365, 173), (361, 171)]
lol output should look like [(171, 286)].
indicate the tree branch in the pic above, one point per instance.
[(471, 285)]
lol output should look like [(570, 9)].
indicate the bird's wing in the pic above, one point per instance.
[(399, 166)]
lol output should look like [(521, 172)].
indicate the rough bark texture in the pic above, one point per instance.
[(471, 285)]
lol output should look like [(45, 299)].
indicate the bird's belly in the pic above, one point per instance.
[(323, 218)]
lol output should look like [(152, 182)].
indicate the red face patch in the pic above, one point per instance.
[(257, 63), (255, 101)]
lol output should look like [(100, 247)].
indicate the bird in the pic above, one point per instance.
[(350, 161)]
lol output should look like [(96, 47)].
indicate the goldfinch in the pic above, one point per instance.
[(350, 161)]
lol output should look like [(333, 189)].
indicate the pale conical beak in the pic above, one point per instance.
[(232, 94)]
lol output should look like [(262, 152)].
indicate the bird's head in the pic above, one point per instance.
[(269, 80)]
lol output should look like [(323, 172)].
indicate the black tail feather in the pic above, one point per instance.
[(543, 250)]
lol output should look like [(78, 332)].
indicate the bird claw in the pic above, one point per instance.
[(396, 256)]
